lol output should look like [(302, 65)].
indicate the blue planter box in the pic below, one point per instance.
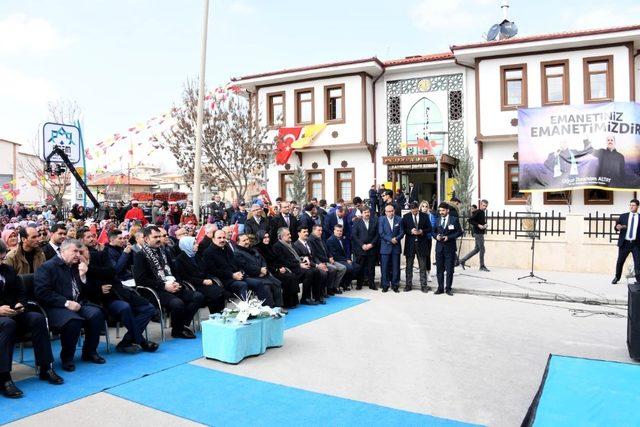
[(232, 342)]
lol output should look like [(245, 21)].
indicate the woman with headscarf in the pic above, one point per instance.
[(187, 268), (10, 238), (290, 286)]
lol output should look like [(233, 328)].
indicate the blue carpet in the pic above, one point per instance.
[(217, 398), (584, 392), (121, 368)]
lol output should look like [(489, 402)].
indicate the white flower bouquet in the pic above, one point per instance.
[(250, 307)]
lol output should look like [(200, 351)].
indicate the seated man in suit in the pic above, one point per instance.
[(66, 299), (309, 276), (120, 254), (365, 241), (254, 267), (391, 232), (336, 246), (58, 234), (321, 257), (129, 308), (417, 229), (303, 248), (152, 269), (446, 232), (284, 219), (15, 320)]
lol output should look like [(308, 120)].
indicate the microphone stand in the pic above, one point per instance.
[(533, 253)]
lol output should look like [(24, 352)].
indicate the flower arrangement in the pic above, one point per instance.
[(246, 308)]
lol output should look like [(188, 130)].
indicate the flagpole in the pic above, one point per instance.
[(197, 170)]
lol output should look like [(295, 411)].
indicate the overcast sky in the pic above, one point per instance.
[(125, 61)]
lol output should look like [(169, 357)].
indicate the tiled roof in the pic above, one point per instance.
[(419, 58), (310, 67), (551, 36)]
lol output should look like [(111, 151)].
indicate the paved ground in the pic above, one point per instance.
[(473, 358)]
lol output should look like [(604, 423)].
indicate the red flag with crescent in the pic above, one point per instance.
[(286, 137)]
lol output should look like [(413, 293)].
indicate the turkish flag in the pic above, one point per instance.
[(286, 137), (103, 239), (93, 229), (200, 235), (236, 232)]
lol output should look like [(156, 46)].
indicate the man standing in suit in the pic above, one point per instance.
[(446, 232), (337, 248), (373, 199), (337, 217), (478, 223), (257, 221), (627, 226), (217, 207), (16, 320), (306, 220), (284, 219), (322, 258), (387, 200), (58, 235), (391, 232), (365, 240), (65, 297), (413, 193), (417, 229)]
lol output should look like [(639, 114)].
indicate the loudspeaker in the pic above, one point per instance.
[(633, 321)]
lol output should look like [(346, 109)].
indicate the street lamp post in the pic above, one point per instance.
[(197, 170)]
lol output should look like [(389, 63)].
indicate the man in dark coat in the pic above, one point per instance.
[(66, 299), (257, 222), (446, 232), (309, 276), (321, 257), (364, 241), (336, 246), (611, 163), (254, 268), (417, 231), (15, 321), (284, 219), (628, 241)]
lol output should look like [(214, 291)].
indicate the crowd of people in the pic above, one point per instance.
[(139, 260)]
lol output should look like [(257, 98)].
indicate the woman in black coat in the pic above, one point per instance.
[(187, 268), (290, 286)]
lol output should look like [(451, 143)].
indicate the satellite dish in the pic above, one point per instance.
[(493, 32), (508, 29)]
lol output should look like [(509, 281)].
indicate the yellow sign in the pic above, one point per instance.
[(449, 188)]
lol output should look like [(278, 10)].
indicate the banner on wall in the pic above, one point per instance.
[(579, 146)]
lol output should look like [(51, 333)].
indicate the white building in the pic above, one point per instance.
[(376, 112)]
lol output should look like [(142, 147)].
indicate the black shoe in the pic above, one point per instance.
[(9, 389), (51, 376), (284, 310), (396, 290), (449, 292), (189, 332), (407, 288), (130, 348), (185, 334), (93, 358), (331, 292), (425, 289), (68, 366), (337, 291), (149, 346), (358, 287), (615, 280), (308, 302), (373, 287), (385, 290), (483, 268), (439, 292), (321, 301)]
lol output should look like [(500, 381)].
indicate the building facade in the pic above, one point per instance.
[(383, 118)]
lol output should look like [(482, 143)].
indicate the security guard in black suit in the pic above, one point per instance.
[(628, 243), (447, 231), (417, 230)]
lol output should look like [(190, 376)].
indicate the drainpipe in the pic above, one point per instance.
[(375, 142)]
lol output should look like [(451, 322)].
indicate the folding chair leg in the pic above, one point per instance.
[(106, 335), (21, 352), (117, 330), (161, 326)]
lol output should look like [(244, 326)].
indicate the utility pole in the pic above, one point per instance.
[(197, 171)]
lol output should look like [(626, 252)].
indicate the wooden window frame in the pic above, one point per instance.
[(270, 118), (310, 182), (281, 186), (503, 87), (327, 88), (565, 82), (565, 202), (296, 98), (608, 201), (586, 75), (337, 182), (507, 185)]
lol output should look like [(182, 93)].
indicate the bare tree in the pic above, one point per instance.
[(235, 149)]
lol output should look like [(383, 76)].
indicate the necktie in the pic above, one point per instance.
[(415, 220), (442, 222), (75, 292), (366, 225), (341, 245), (286, 219), (632, 227)]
